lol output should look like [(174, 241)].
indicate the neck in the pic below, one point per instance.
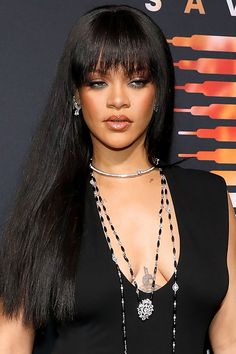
[(120, 161)]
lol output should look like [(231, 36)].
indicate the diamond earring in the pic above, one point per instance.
[(155, 108), (76, 107), (156, 161)]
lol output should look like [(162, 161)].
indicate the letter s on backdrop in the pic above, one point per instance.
[(156, 6)]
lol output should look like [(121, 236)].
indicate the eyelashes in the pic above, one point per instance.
[(96, 84), (138, 83)]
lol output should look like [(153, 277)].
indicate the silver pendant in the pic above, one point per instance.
[(175, 287), (145, 309)]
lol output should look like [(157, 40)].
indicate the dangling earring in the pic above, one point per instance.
[(155, 108), (76, 107), (156, 161)]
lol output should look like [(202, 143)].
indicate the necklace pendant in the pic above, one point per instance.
[(145, 309)]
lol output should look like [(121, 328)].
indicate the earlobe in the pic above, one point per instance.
[(77, 96), (76, 106), (155, 108)]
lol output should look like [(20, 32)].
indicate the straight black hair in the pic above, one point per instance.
[(40, 245)]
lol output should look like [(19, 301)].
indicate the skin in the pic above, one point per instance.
[(117, 94), (123, 152), (15, 337), (223, 327), (115, 151)]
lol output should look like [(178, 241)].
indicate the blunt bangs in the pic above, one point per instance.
[(111, 36), (114, 39)]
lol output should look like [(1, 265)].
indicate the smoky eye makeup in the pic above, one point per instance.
[(95, 83), (142, 77), (139, 82), (136, 79), (94, 79), (135, 83)]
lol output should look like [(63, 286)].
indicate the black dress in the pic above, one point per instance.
[(200, 201)]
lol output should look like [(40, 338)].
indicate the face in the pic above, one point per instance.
[(117, 97)]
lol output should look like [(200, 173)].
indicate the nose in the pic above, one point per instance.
[(118, 97)]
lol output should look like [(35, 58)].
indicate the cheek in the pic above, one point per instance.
[(146, 103), (92, 106), (143, 105), (93, 112)]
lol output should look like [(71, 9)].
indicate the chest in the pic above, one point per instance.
[(132, 222)]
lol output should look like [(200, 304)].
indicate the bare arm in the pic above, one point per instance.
[(223, 327), (15, 338)]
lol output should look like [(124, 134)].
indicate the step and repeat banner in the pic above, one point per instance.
[(202, 39)]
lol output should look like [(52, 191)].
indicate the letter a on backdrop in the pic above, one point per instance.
[(195, 5)]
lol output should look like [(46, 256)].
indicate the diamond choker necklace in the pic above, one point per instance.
[(123, 175)]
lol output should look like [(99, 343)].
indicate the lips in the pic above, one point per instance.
[(118, 123), (121, 118)]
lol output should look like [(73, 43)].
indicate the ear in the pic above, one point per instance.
[(77, 96), (156, 96)]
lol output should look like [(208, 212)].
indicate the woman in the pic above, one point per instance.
[(122, 250)]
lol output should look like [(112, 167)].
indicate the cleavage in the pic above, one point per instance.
[(136, 223)]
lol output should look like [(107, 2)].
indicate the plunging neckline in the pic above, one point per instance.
[(179, 222)]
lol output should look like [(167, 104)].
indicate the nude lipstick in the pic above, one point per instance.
[(118, 123)]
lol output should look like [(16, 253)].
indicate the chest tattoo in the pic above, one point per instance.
[(147, 282)]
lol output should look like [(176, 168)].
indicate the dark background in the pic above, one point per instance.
[(32, 38), (32, 35)]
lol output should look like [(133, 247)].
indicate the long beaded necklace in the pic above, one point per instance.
[(145, 307)]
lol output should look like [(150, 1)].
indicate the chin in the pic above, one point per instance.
[(119, 143), (117, 146)]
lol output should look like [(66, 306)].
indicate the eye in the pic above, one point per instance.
[(96, 84), (138, 83)]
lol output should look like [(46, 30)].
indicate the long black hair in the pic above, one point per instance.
[(40, 245)]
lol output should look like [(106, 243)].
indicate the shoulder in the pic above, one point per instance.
[(200, 188), (197, 178)]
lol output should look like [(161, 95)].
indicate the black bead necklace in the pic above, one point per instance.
[(145, 307)]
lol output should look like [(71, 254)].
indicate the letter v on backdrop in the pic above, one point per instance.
[(232, 8)]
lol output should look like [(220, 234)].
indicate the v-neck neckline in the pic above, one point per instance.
[(168, 172)]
